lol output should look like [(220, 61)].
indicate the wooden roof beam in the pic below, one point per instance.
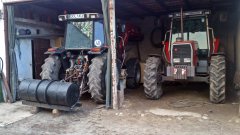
[(147, 9), (187, 4), (127, 11), (92, 6), (162, 4)]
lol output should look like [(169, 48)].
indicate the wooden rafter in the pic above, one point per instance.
[(187, 3), (127, 10), (145, 8), (162, 4), (93, 6)]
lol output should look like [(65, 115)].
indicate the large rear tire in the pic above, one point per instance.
[(217, 79), (152, 78), (51, 67), (96, 77), (134, 73)]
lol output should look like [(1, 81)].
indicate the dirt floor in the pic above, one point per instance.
[(183, 110)]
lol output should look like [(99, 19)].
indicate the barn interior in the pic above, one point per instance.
[(40, 17)]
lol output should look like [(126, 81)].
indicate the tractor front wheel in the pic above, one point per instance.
[(217, 79), (152, 78)]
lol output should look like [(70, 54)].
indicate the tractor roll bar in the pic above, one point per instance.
[(191, 13)]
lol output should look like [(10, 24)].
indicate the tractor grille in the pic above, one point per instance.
[(180, 72), (181, 52)]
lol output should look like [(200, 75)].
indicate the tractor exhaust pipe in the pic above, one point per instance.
[(181, 38), (182, 35)]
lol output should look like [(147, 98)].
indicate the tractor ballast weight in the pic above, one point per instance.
[(190, 54), (49, 92)]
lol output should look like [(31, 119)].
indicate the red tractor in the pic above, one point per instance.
[(190, 54)]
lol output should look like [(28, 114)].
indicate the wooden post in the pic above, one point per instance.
[(237, 72), (112, 20), (238, 94)]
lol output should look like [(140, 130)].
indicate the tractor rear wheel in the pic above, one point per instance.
[(133, 73), (217, 79), (152, 78), (96, 77), (51, 67)]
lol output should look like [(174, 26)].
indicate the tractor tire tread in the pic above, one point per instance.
[(217, 79), (95, 77), (50, 68), (152, 87)]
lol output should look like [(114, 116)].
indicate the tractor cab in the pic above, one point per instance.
[(194, 29), (83, 31), (190, 44), (190, 54)]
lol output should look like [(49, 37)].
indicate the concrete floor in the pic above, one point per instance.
[(183, 110)]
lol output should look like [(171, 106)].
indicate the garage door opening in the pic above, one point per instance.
[(41, 19)]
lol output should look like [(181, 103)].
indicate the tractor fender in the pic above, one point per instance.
[(55, 51)]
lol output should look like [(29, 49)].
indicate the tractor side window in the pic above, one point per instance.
[(85, 28), (201, 38), (99, 34)]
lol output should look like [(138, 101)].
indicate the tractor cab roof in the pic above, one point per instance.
[(80, 17), (190, 14)]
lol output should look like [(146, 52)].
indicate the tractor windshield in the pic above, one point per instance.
[(194, 29), (84, 35)]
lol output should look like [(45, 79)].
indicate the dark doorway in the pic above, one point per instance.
[(39, 47)]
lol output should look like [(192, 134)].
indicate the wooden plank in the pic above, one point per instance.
[(9, 94), (58, 107), (36, 23), (43, 36)]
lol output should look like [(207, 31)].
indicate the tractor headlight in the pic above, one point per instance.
[(187, 60), (176, 60)]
